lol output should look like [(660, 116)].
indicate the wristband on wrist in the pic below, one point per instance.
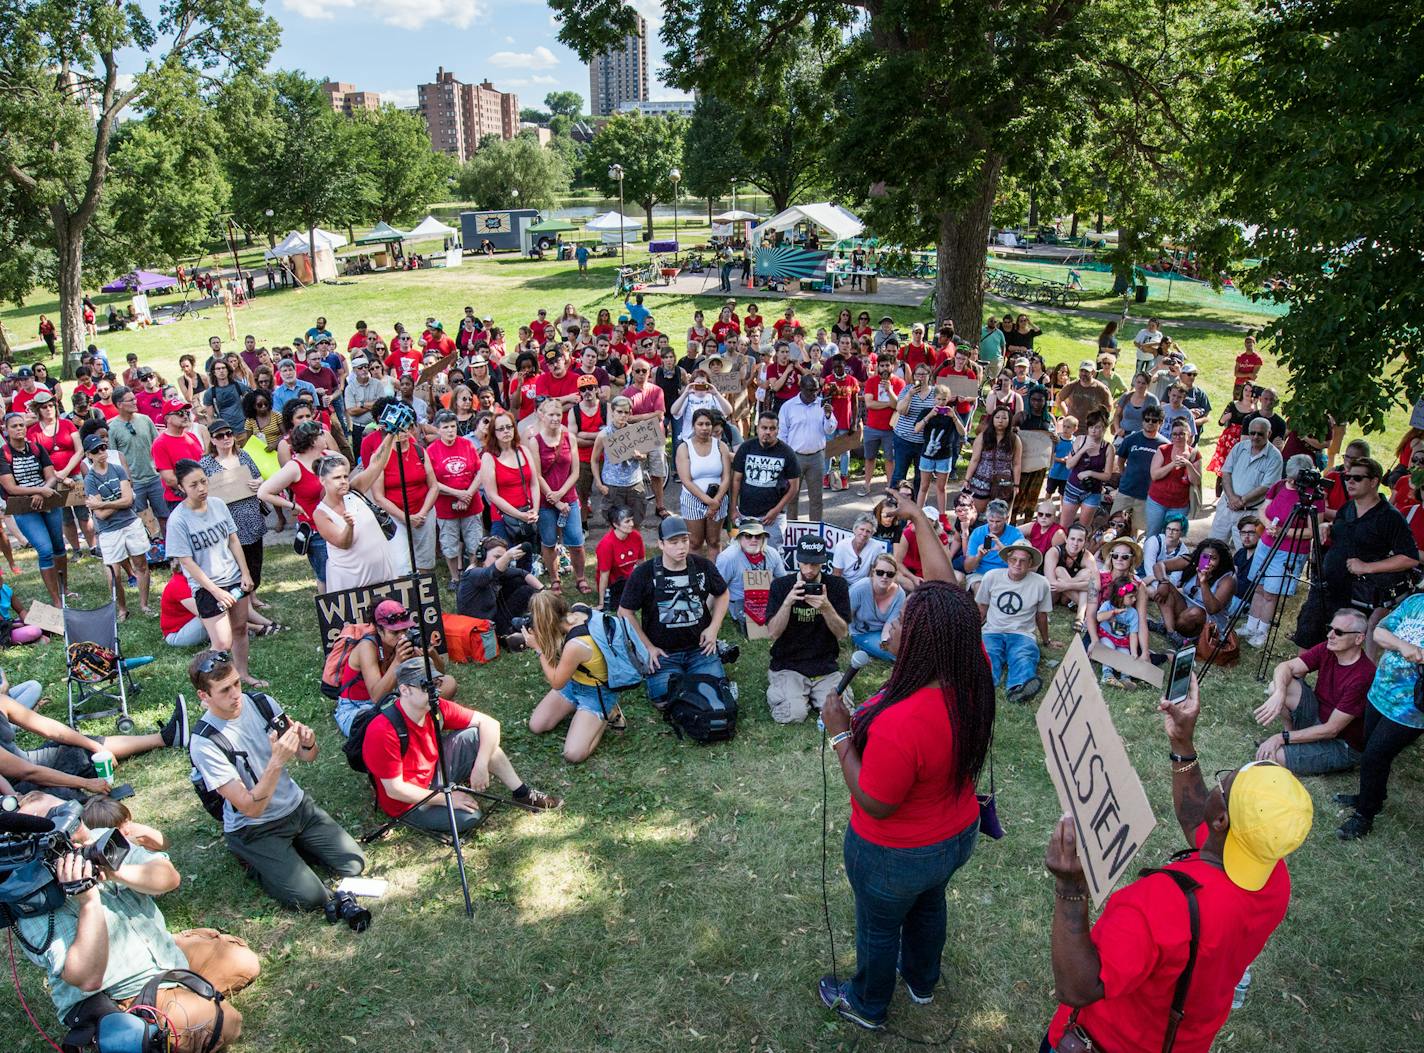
[(1285, 738), (836, 740), (1181, 758)]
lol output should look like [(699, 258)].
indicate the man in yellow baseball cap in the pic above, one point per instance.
[(1269, 814)]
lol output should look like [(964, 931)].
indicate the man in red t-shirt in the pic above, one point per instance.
[(405, 359), (436, 340), (1323, 726), (917, 352), (557, 381), (541, 328), (472, 757), (882, 392), (1117, 978), (1248, 363), (618, 552), (173, 444), (149, 395), (787, 324), (361, 339)]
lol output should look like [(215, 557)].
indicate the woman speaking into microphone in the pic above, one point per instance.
[(910, 756)]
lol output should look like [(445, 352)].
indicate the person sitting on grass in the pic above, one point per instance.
[(271, 825), (810, 616), (574, 665), (1199, 590), (1322, 726), (370, 673), (1118, 626), (1072, 575), (874, 601), (985, 551), (497, 587), (405, 779), (1013, 600)]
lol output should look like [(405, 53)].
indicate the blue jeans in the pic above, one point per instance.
[(844, 458), (907, 453), (316, 555), (549, 533), (870, 644), (45, 533), (1012, 651), (1157, 517), (900, 915), (688, 663)]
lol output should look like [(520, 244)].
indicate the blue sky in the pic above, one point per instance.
[(390, 46)]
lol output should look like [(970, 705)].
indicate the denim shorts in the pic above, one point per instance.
[(873, 440), (1075, 495), (549, 532), (939, 465), (1280, 578), (598, 701)]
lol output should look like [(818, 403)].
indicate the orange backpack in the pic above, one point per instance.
[(335, 675), (469, 639)]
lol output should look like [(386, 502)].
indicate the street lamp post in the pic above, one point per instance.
[(271, 241), (676, 176), (616, 172)]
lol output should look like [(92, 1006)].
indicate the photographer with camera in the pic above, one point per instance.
[(369, 672), (269, 822), (1372, 552), (108, 941), (810, 616), (498, 587)]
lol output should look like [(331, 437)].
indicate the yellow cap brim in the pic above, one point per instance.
[(1246, 870)]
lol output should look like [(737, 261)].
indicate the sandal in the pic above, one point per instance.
[(582, 585), (862, 492), (617, 721)]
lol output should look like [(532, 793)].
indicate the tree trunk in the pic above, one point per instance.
[(1032, 207), (69, 248), (1073, 230), (709, 211), (960, 255), (311, 248), (1098, 227), (648, 209)]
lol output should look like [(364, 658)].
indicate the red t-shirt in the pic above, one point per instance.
[(323, 378), (914, 355), (168, 450), (525, 386), (1143, 937), (1248, 364), (603, 330), (753, 321), (787, 391), (62, 446), (550, 386), (401, 363), (880, 418), (842, 392), (150, 404), (441, 344), (172, 615), (415, 485), (782, 325), (358, 340), (108, 409), (909, 762), (381, 751), (542, 331), (617, 557), (721, 329), (1342, 687), (455, 465)]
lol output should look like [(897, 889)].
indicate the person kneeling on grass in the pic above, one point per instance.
[(810, 616), (577, 671), (404, 779), (1012, 601), (269, 822)]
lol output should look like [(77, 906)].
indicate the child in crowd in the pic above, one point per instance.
[(1062, 447), (102, 812), (1117, 627)]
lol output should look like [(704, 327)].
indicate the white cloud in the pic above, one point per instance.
[(403, 97), (405, 14), (540, 58), (509, 40), (539, 80)]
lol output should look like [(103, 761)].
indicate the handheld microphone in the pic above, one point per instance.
[(21, 823), (858, 661)]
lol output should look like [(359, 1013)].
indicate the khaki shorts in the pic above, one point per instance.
[(115, 546), (792, 696), (1138, 506)]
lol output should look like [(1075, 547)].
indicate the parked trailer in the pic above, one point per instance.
[(504, 228)]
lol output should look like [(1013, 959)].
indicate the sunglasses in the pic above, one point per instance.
[(1355, 478), (1042, 515), (1122, 555), (884, 573), (214, 660), (1333, 631)]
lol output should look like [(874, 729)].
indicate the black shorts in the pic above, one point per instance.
[(208, 606)]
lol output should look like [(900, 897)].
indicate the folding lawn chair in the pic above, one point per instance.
[(96, 676)]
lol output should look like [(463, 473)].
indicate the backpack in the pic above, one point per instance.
[(623, 651), (702, 708), (335, 676), (212, 800), (356, 742), (469, 639)]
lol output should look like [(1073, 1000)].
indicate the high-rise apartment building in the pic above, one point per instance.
[(621, 74), (344, 98), (459, 115)]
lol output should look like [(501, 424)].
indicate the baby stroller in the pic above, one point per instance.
[(97, 676)]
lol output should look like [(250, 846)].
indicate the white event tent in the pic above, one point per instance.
[(841, 223), (614, 227), (429, 227)]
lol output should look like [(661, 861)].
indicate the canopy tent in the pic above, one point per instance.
[(552, 226), (295, 244), (381, 234), (141, 281), (429, 227), (614, 227), (840, 222), (737, 215)]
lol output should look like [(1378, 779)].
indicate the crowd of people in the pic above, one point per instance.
[(1010, 488)]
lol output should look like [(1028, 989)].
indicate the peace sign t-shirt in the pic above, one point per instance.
[(1013, 605)]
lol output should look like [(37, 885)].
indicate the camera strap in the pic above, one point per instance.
[(195, 983), (232, 753), (1189, 887)]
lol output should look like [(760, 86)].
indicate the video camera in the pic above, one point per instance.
[(397, 417), (1311, 485), (31, 847)]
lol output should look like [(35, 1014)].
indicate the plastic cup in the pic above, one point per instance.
[(103, 762)]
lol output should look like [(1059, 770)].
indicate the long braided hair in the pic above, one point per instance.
[(940, 642)]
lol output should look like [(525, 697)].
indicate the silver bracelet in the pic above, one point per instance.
[(836, 740)]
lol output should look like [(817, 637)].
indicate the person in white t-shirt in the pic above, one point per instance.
[(1146, 341)]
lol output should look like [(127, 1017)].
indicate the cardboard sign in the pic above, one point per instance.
[(417, 593), (43, 616), (966, 389), (428, 373), (231, 485), (1037, 450), (75, 497), (643, 437), (728, 383), (851, 441), (1090, 770), (1416, 418), (66, 494), (1137, 668), (150, 522), (757, 591), (796, 529)]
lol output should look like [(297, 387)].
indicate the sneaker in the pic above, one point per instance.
[(543, 801), (1024, 692), (917, 999), (176, 733), (1153, 625), (833, 998), (1347, 800), (1257, 640), (1355, 827)]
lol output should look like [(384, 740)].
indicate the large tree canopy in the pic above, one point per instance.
[(647, 148), (64, 86), (514, 173), (403, 174)]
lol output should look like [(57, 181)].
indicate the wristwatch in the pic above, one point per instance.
[(1285, 738)]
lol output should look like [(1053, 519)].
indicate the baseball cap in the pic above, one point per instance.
[(143, 372), (175, 406), (411, 672), (1191, 368), (552, 355), (1088, 365), (671, 527), (588, 380), (95, 442), (220, 427), (1270, 813), (812, 549), (357, 361), (887, 318), (43, 397), (751, 526), (389, 614), (24, 373)]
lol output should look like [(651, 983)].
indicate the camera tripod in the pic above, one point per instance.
[(446, 787), (1304, 513)]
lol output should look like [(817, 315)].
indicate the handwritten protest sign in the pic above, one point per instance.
[(642, 437), (417, 593), (852, 440), (43, 616), (965, 389), (728, 383), (1416, 416), (1136, 668), (231, 485), (1089, 768), (428, 374), (756, 585), (1037, 450)]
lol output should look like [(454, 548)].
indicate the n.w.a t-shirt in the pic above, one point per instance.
[(203, 536), (767, 471), (674, 605)]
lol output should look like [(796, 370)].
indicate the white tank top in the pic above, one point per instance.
[(705, 471)]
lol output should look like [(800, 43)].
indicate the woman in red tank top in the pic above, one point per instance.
[(510, 481), (586, 420), (1176, 468), (560, 513)]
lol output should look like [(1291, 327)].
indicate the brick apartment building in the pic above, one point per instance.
[(459, 115), (344, 98)]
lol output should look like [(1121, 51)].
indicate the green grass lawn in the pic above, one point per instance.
[(675, 902)]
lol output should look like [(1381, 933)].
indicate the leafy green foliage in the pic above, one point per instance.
[(648, 148), (501, 167), (564, 103), (1316, 138), (403, 173)]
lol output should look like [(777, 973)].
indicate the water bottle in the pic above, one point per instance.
[(1238, 998), (563, 519)]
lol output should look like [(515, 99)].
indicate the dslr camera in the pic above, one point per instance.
[(1310, 485)]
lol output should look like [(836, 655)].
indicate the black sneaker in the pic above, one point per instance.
[(918, 999), (1153, 625), (543, 801), (1355, 827), (1347, 800), (1024, 692), (833, 998), (176, 733)]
